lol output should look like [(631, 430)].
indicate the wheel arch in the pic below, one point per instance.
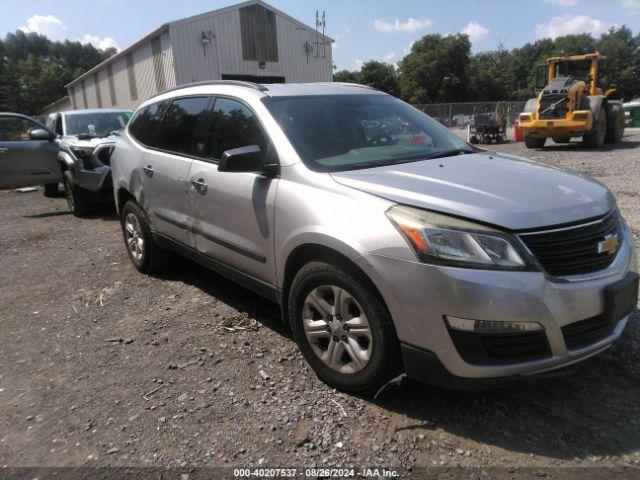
[(308, 252), (123, 196), (595, 103), (531, 106), (65, 162)]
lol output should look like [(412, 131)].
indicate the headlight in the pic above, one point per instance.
[(438, 238), (82, 153)]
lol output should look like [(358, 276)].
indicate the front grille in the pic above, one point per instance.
[(586, 332), (574, 250), (500, 348), (553, 106)]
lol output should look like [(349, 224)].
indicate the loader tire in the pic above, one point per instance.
[(615, 125), (534, 142), (595, 138)]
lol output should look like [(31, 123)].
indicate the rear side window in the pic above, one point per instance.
[(233, 125), (146, 124), (181, 125)]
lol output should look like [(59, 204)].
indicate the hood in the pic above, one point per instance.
[(498, 189), (73, 140)]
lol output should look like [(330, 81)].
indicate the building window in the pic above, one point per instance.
[(112, 87), (72, 95), (133, 89), (84, 94), (158, 64), (258, 31), (96, 84)]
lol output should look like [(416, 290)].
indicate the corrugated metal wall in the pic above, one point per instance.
[(184, 58), (145, 78), (195, 61)]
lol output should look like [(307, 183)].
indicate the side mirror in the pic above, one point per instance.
[(40, 134), (244, 159)]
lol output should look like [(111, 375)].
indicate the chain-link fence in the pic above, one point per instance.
[(461, 115)]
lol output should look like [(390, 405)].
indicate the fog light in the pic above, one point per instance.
[(491, 326)]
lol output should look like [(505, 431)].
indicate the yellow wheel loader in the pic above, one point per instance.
[(571, 104)]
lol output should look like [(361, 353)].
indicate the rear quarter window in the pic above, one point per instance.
[(146, 123)]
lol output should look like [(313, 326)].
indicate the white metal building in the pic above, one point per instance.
[(249, 41), (61, 105)]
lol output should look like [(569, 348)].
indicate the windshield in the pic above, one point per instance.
[(97, 124), (579, 69), (346, 132)]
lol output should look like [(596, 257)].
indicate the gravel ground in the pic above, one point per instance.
[(102, 366)]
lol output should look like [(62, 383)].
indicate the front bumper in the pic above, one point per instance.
[(95, 179), (581, 121), (419, 295)]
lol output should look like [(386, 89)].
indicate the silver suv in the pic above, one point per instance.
[(86, 139), (392, 246)]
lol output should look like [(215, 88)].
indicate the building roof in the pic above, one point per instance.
[(55, 103), (165, 27)]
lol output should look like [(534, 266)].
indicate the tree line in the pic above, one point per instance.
[(34, 69), (441, 69)]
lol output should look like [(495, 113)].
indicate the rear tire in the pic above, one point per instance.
[(51, 189), (78, 199), (595, 138), (348, 339), (143, 250), (534, 142), (615, 125)]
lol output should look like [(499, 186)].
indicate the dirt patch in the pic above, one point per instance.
[(102, 366)]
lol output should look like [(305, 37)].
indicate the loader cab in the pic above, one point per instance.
[(585, 68)]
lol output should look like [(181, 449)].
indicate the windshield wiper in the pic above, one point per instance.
[(86, 136), (450, 153)]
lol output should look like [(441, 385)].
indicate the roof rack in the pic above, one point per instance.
[(237, 83), (347, 84)]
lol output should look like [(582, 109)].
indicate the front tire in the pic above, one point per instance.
[(342, 328), (143, 251), (534, 142), (51, 190), (595, 138), (78, 199)]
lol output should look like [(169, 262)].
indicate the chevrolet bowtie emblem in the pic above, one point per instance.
[(609, 244)]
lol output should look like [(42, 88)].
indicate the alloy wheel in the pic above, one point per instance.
[(133, 237), (69, 195), (337, 329)]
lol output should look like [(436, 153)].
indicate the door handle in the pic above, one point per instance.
[(200, 185), (148, 171), (2, 150)]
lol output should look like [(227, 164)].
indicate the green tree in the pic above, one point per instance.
[(34, 70), (436, 69), (346, 76), (622, 67), (381, 76)]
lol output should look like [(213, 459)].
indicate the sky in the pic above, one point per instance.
[(363, 30)]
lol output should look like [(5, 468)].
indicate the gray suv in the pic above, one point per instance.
[(86, 139), (392, 246)]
